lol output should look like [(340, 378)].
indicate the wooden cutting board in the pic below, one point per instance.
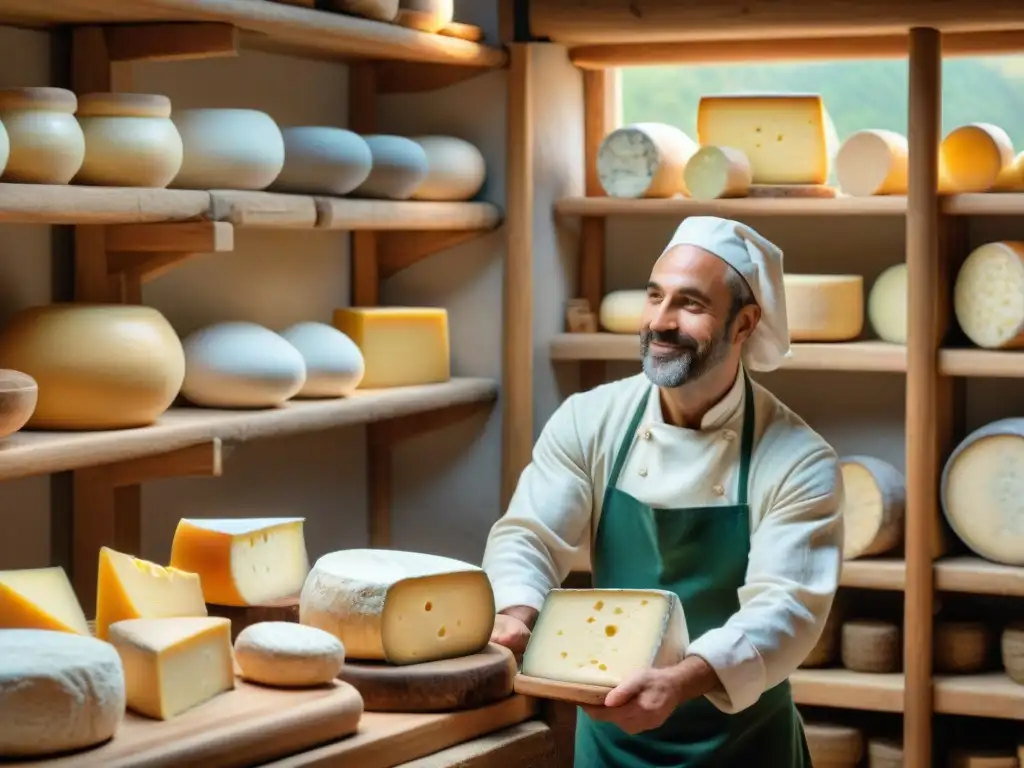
[(574, 693), (250, 725), (436, 686)]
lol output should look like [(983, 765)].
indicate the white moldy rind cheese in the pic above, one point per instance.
[(972, 156), (887, 305), (873, 505), (644, 160), (824, 307), (788, 138), (983, 491), (288, 655), (873, 162), (620, 311), (988, 297), (718, 172), (58, 692), (399, 607), (599, 636)]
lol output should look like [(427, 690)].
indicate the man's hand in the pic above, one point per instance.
[(645, 699), (512, 628)]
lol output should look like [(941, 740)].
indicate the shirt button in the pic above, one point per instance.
[(646, 434), (728, 436), (642, 473), (719, 490)]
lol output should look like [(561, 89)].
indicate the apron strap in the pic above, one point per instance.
[(747, 440), (627, 441)]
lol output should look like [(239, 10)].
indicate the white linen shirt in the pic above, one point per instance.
[(795, 497)]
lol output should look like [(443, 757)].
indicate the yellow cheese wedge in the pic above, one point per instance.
[(40, 598), (171, 665), (401, 346), (130, 588), (243, 562)]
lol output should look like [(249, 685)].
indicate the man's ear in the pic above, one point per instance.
[(746, 322)]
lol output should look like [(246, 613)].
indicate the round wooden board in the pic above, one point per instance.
[(468, 682)]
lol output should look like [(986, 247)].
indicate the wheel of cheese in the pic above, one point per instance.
[(887, 305), (644, 160), (982, 758), (399, 607), (334, 364), (961, 647), (228, 149), (42, 141), (974, 155), (319, 160), (988, 296), (1012, 650), (19, 393), (873, 162), (287, 655), (826, 650), (455, 169), (98, 366), (982, 482), (58, 692), (399, 168), (620, 311), (885, 753), (824, 307), (871, 646), (718, 172), (241, 365), (425, 15), (380, 10), (875, 497), (834, 746), (1011, 178)]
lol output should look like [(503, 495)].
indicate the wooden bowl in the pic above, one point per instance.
[(18, 395)]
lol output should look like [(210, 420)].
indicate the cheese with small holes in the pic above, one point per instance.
[(838, 746), (788, 138), (873, 162), (620, 311), (58, 692), (132, 588), (972, 156), (40, 598), (288, 655), (824, 307), (401, 346), (885, 753), (988, 295), (961, 647), (245, 561), (873, 504), (982, 758), (718, 172), (887, 305), (981, 487), (644, 160), (871, 646), (172, 665), (600, 636), (399, 607)]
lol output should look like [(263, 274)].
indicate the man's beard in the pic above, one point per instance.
[(690, 360)]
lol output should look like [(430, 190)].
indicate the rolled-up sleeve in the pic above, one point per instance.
[(531, 548), (792, 577)]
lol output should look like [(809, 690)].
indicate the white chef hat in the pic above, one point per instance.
[(759, 262)]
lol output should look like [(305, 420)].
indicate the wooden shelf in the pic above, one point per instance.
[(269, 26), (992, 204), (989, 695), (875, 356), (681, 206), (885, 573), (974, 575), (35, 453), (844, 689), (981, 363)]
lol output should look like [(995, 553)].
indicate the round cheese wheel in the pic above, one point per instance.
[(834, 746), (320, 160), (824, 307), (455, 169), (871, 646), (334, 364), (1012, 651), (988, 296), (241, 365), (718, 172), (98, 366), (873, 162), (644, 160), (961, 647), (620, 311), (58, 692), (228, 149), (425, 15), (288, 655), (43, 142), (885, 753), (887, 305), (974, 155), (399, 168), (19, 393), (981, 485), (873, 505)]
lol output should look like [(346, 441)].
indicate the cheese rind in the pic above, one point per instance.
[(600, 636), (788, 138), (988, 295), (718, 172), (40, 598), (873, 506), (132, 588), (973, 156), (887, 305), (961, 647), (288, 655), (871, 646), (873, 162), (399, 607), (172, 665), (243, 561), (644, 160), (620, 311), (401, 346), (834, 745), (58, 692), (824, 307)]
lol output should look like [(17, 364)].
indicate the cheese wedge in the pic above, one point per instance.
[(243, 562), (40, 598)]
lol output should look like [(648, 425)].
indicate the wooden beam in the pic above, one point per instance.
[(394, 431), (399, 250), (202, 460), (138, 253), (171, 41), (413, 77)]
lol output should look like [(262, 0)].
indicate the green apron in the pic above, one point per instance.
[(700, 553)]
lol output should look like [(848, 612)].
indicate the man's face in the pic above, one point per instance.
[(685, 329)]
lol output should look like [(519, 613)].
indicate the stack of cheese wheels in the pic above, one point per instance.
[(824, 307), (834, 746), (1012, 649), (973, 156), (873, 506), (873, 162), (887, 305), (988, 465), (644, 160), (961, 647), (988, 295), (871, 646)]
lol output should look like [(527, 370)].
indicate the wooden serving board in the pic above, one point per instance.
[(247, 726), (574, 693), (436, 686)]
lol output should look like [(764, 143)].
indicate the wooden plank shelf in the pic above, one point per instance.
[(29, 453), (885, 573), (991, 204), (967, 573), (874, 356), (981, 363), (843, 689), (601, 207), (988, 695)]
